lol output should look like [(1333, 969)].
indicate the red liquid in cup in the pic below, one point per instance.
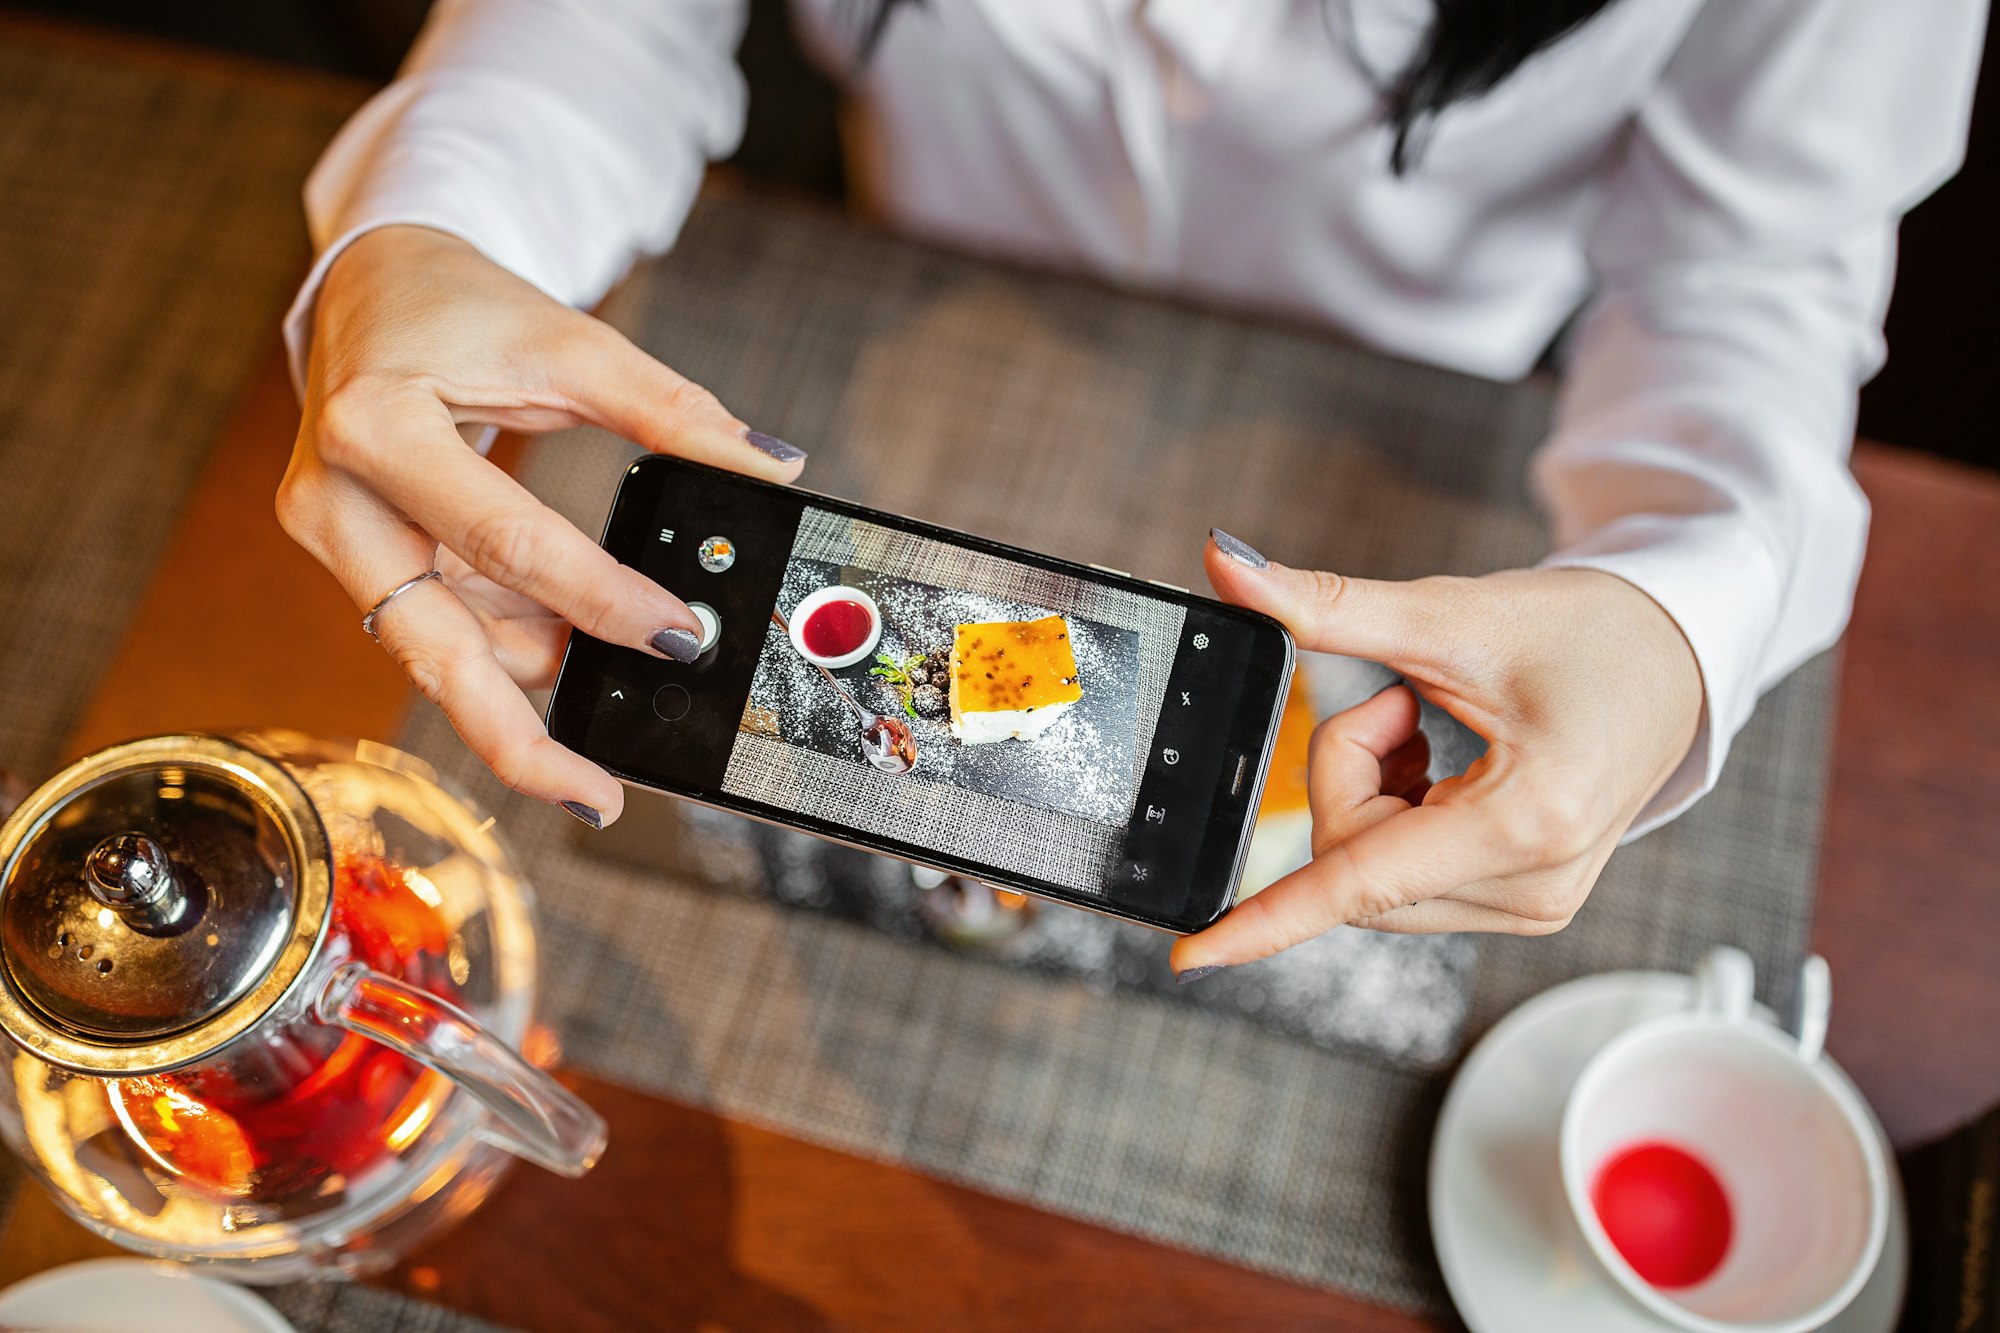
[(835, 629), (1666, 1213), (329, 1102)]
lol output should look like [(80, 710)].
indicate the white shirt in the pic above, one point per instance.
[(1716, 182)]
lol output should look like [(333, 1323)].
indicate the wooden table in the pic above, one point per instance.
[(697, 1221)]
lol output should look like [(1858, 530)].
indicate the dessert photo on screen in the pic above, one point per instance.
[(956, 700)]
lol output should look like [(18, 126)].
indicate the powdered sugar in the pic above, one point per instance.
[(1085, 765)]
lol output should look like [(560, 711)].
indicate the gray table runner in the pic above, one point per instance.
[(1113, 428)]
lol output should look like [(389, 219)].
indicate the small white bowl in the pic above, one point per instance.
[(812, 602)]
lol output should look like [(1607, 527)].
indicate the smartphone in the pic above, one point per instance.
[(1113, 762)]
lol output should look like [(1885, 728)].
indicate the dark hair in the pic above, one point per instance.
[(1472, 46)]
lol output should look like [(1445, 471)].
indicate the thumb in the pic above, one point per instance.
[(1405, 625)]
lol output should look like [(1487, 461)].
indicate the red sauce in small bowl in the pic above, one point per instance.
[(836, 628)]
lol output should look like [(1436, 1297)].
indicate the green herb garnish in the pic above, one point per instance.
[(897, 674)]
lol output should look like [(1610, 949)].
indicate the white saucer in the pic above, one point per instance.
[(1510, 1250), (134, 1296)]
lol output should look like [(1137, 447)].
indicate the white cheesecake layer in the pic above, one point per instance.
[(1016, 724)]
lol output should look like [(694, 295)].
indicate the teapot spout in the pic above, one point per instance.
[(528, 1113)]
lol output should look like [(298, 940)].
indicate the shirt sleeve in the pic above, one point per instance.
[(563, 138), (1744, 252)]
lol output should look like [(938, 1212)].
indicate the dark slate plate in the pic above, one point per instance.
[(1084, 765)]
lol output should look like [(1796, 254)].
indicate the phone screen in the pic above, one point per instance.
[(1076, 732)]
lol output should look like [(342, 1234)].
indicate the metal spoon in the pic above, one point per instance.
[(886, 742)]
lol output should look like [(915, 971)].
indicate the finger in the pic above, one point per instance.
[(407, 451), (1344, 764), (528, 640), (615, 385), (488, 599), (438, 641), (442, 648), (529, 648), (1416, 854), (1536, 902), (1438, 916), (1407, 625)]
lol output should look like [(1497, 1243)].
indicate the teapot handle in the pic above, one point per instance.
[(529, 1113)]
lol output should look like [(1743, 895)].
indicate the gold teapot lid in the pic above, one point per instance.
[(156, 900)]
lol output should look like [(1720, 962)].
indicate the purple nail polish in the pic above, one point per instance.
[(1197, 973), (775, 447), (678, 644), (1242, 552), (587, 814)]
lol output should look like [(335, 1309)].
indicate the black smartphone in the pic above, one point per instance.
[(1060, 729)]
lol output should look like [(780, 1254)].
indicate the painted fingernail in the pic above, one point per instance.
[(677, 644), (775, 447), (1197, 973), (1242, 552), (584, 812)]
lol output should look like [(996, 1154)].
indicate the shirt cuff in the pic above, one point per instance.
[(1721, 586), (505, 167)]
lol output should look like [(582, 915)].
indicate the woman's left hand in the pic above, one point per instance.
[(1585, 691)]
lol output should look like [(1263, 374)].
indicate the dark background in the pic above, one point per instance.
[(1943, 327)]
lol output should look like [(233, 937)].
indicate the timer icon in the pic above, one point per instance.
[(1201, 641)]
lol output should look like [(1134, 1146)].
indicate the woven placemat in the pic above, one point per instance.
[(150, 236), (342, 1307), (1112, 428)]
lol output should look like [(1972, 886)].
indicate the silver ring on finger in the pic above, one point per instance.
[(368, 621)]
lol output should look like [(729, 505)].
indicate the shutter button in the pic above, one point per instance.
[(711, 624)]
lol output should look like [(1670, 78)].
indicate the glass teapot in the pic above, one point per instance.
[(265, 995)]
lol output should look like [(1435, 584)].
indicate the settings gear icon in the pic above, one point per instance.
[(1201, 641)]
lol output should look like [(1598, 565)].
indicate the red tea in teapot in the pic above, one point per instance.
[(245, 979), (312, 1102)]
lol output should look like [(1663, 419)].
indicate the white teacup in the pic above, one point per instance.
[(1789, 1141)]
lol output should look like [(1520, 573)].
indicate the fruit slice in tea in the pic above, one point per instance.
[(310, 1102)]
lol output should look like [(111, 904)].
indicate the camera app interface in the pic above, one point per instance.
[(956, 700), (928, 697)]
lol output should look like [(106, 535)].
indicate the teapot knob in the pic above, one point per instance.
[(133, 876)]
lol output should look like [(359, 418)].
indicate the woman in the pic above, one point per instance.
[(1713, 184)]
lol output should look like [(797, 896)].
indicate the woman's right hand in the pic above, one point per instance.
[(414, 334)]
